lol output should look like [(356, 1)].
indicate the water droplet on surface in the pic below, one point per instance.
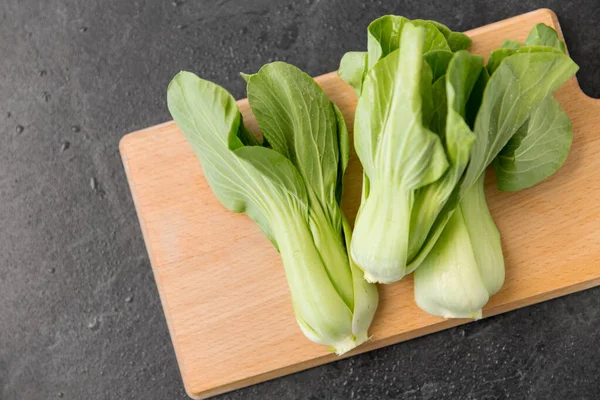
[(129, 299), (93, 324), (52, 270), (64, 146), (93, 183), (83, 29), (174, 4), (20, 129), (43, 72), (75, 128), (181, 26), (61, 394)]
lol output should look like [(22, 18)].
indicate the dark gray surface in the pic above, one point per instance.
[(80, 316)]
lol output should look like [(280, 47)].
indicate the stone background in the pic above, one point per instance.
[(80, 316)]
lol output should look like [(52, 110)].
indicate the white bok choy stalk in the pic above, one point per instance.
[(291, 190)]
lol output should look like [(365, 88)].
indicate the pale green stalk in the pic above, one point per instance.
[(466, 265)]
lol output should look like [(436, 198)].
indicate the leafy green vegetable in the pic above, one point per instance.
[(437, 121), (456, 40), (543, 35), (399, 156), (438, 60), (461, 264), (499, 55), (541, 38), (511, 44), (463, 73), (517, 87), (352, 69), (384, 262), (542, 143), (308, 136), (292, 191), (383, 37), (434, 39), (503, 113), (477, 113), (537, 149), (474, 102)]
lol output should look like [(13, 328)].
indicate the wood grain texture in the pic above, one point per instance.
[(222, 285)]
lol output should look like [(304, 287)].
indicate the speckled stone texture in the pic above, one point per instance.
[(80, 316)]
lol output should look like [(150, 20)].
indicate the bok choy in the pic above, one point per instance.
[(521, 129), (291, 189), (399, 156), (414, 144), (429, 120)]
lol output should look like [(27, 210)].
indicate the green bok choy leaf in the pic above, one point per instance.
[(542, 143), (383, 37)]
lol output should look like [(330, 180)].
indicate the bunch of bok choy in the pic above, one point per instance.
[(429, 120)]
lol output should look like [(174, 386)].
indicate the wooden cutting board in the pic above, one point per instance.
[(221, 281)]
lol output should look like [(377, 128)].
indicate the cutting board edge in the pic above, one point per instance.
[(201, 394), (123, 145)]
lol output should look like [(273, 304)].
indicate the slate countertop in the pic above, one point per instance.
[(80, 316)]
